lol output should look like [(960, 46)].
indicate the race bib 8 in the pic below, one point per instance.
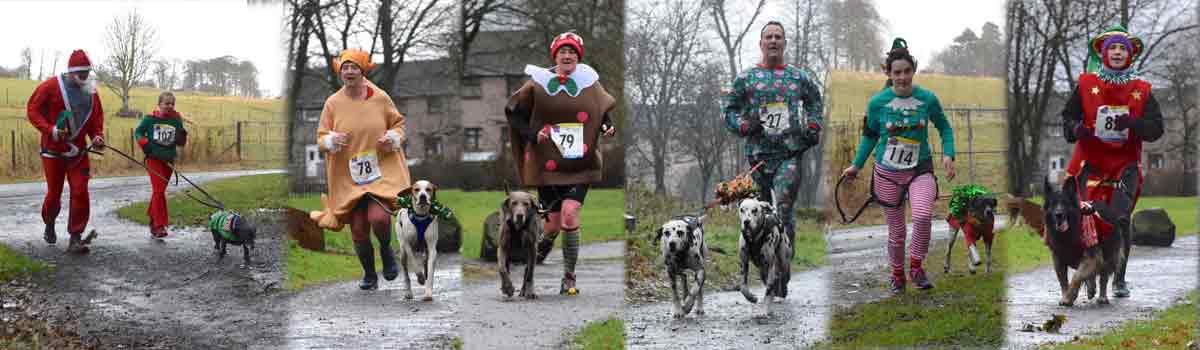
[(568, 137), (776, 119), (364, 167), (1106, 123), (163, 134), (901, 153)]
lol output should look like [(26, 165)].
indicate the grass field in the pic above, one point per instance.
[(962, 311), (15, 266), (848, 95), (644, 272), (608, 334), (1027, 251), (209, 141), (601, 217)]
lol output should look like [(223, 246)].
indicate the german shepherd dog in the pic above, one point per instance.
[(1064, 211)]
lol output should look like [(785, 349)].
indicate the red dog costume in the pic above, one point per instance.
[(66, 157), (970, 234)]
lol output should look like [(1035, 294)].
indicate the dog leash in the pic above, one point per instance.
[(215, 203), (837, 190)]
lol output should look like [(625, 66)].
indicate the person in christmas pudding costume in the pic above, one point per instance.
[(777, 108), (896, 130), (66, 110), (362, 133), (1110, 114), (556, 120)]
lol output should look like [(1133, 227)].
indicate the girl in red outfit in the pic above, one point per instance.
[(159, 134)]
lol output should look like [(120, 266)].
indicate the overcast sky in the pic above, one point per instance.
[(186, 30), (927, 25)]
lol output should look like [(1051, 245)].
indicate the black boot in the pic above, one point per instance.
[(390, 269), (544, 246), (366, 256), (50, 236)]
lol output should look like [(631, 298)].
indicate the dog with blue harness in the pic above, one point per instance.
[(417, 226)]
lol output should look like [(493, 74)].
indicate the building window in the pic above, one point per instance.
[(1157, 161), (433, 146), (436, 105), (1056, 130), (310, 115), (1057, 163), (471, 138)]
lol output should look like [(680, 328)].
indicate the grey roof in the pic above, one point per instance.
[(501, 53)]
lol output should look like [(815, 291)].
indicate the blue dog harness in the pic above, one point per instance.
[(422, 223)]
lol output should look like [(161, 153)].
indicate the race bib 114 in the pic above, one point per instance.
[(901, 153)]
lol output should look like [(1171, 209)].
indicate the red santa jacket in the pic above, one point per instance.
[(47, 103), (1101, 103)]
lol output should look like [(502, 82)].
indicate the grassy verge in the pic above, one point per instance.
[(1172, 328), (608, 334), (241, 194), (15, 266), (602, 215), (965, 311), (645, 275)]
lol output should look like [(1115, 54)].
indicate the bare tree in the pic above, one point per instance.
[(26, 68), (855, 34), (663, 41), (700, 132), (733, 34), (132, 43)]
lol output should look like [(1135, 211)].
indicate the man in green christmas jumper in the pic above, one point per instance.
[(777, 109)]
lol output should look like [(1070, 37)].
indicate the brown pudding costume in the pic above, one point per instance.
[(556, 120)]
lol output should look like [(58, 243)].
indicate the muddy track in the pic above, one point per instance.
[(1158, 278), (731, 322), (340, 316), (133, 292), (492, 322)]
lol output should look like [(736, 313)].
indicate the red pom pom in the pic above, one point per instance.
[(582, 117), (528, 155), (551, 165), (585, 148)]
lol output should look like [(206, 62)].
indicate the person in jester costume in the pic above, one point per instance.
[(556, 119), (777, 108), (1110, 113), (66, 110), (159, 133), (896, 129)]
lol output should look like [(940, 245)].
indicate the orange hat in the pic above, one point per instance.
[(358, 57), (568, 38)]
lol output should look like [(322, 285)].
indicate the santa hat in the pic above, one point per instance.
[(567, 38), (78, 62)]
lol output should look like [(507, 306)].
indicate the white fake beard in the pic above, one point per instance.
[(88, 85)]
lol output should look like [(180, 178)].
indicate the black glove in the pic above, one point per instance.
[(1082, 132), (1123, 122)]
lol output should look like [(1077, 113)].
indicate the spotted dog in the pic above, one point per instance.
[(764, 243), (682, 242)]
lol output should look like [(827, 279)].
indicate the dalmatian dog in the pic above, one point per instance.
[(764, 243), (418, 235), (683, 249)]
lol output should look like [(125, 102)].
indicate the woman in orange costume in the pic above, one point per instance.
[(362, 134)]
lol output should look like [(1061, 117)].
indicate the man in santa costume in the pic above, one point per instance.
[(66, 110), (1110, 114)]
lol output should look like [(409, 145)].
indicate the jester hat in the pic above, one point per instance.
[(1114, 34)]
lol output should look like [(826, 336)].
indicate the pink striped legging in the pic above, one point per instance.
[(922, 193)]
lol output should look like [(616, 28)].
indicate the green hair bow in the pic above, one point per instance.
[(964, 195)]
